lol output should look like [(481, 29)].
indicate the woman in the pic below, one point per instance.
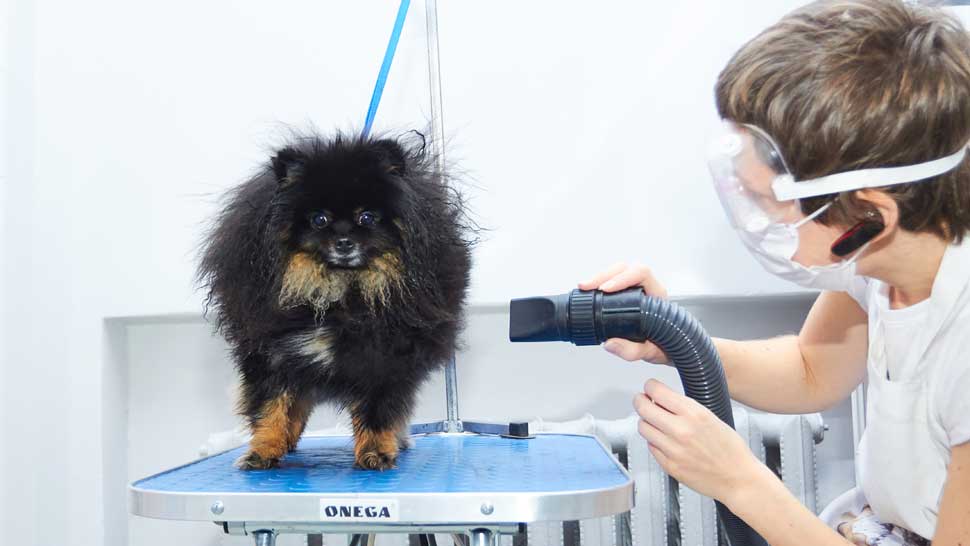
[(842, 167)]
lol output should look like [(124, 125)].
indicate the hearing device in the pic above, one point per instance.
[(860, 234)]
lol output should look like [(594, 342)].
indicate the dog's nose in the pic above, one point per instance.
[(344, 244)]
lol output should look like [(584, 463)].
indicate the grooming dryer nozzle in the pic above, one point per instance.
[(538, 319), (580, 317)]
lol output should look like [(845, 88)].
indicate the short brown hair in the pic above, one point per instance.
[(850, 84)]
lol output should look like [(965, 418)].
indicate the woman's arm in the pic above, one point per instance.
[(788, 522), (953, 525), (770, 509), (703, 453), (806, 373), (795, 374)]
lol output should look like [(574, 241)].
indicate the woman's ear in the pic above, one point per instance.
[(882, 208), (880, 218)]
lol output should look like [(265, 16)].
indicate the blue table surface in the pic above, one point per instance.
[(435, 464)]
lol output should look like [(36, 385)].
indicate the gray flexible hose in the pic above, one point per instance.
[(591, 317), (692, 352)]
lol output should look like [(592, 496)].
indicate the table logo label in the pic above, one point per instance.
[(357, 511)]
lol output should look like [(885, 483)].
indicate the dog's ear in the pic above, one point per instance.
[(288, 165), (393, 154)]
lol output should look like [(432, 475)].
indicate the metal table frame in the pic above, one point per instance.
[(483, 515)]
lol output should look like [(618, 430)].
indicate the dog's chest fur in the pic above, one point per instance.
[(315, 346)]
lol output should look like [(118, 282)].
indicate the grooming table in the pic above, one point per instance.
[(483, 485)]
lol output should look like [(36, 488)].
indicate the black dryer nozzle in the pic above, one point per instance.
[(579, 317), (538, 319)]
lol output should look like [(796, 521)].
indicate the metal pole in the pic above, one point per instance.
[(484, 537), (434, 76), (453, 424), (451, 391), (264, 538)]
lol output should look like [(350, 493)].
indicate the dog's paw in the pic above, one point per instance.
[(254, 461), (373, 460)]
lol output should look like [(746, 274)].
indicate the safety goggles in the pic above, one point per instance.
[(756, 188)]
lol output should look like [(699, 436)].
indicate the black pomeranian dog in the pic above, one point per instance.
[(338, 274)]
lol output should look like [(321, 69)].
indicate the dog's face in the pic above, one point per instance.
[(346, 236), (341, 208), (342, 202), (345, 225)]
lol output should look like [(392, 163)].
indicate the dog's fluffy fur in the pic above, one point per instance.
[(338, 274)]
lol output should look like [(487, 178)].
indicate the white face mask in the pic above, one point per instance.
[(774, 246)]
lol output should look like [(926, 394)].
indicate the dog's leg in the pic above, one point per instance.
[(404, 436), (271, 434), (299, 414), (377, 426), (374, 448)]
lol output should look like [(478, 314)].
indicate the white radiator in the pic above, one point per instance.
[(670, 514)]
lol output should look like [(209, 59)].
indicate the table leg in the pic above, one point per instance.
[(422, 539), (264, 538), (484, 537)]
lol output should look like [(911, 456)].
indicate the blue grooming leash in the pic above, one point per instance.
[(375, 99)]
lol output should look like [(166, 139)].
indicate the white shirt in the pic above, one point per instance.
[(916, 415), (899, 326)]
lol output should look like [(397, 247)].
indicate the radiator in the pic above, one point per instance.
[(670, 514)]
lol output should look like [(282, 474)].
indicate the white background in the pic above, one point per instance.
[(581, 124)]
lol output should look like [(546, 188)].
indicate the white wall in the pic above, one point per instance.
[(5, 43), (124, 119), (586, 125), (575, 120), (17, 489)]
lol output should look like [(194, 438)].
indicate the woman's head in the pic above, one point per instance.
[(855, 84)]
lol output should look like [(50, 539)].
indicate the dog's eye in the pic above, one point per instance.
[(367, 218), (319, 220)]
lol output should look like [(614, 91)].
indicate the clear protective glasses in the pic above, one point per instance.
[(757, 189)]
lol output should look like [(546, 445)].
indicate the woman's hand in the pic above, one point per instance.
[(619, 277), (694, 446)]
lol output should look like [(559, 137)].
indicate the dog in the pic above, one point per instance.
[(338, 274)]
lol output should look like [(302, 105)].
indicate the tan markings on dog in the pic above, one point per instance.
[(375, 449), (355, 420), (270, 434), (379, 281), (307, 281), (299, 414), (316, 344)]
